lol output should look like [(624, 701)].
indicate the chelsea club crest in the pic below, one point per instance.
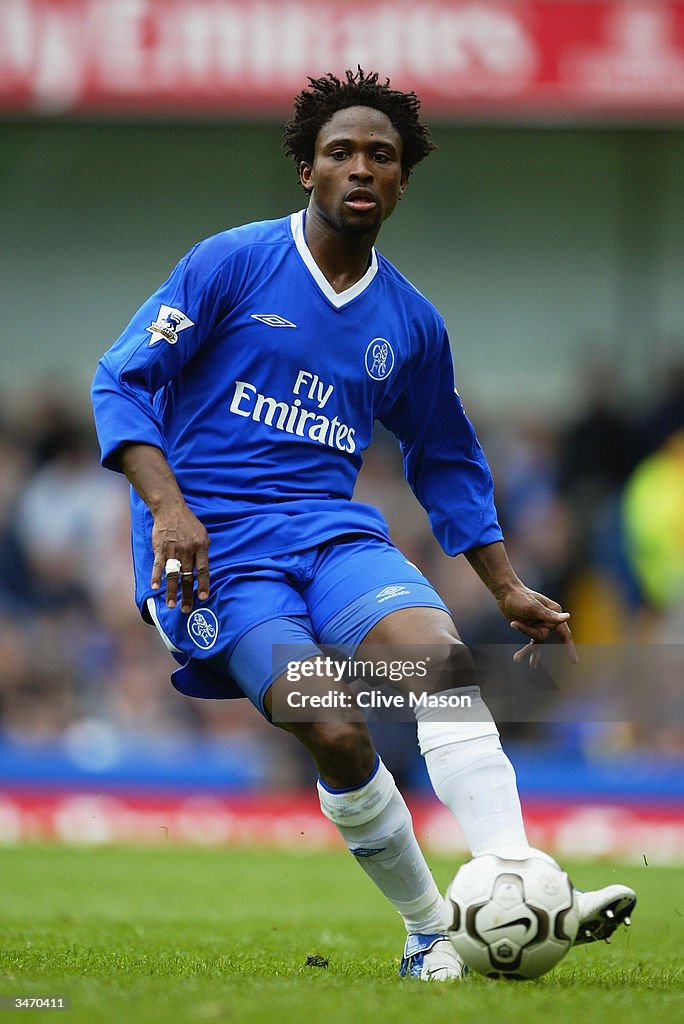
[(379, 359)]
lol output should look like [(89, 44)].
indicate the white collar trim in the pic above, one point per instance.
[(338, 299)]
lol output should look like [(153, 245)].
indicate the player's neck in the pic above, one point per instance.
[(342, 258)]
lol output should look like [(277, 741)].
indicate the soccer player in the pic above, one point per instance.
[(238, 402)]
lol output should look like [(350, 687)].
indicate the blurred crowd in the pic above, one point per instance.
[(592, 510)]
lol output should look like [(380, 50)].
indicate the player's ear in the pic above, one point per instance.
[(403, 183), (306, 176)]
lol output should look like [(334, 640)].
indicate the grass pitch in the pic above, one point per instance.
[(175, 934)]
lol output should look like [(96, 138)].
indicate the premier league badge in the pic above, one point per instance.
[(168, 325)]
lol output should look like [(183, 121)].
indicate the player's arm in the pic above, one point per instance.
[(164, 335), (533, 614), (443, 461), (177, 532), (450, 476)]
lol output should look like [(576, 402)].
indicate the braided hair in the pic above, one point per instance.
[(314, 107)]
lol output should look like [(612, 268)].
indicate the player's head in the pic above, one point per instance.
[(354, 143), (314, 107)]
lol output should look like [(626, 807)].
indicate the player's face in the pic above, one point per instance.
[(356, 177)]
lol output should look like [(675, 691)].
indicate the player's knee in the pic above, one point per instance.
[(340, 740), (451, 667), (343, 751), (448, 653)]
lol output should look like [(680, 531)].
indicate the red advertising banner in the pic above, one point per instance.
[(629, 832), (609, 58)]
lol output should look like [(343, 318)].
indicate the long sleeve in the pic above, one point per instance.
[(162, 337), (443, 460)]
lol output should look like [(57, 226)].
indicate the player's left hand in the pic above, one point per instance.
[(536, 616)]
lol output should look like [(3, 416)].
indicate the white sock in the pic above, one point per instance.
[(472, 776), (376, 825)]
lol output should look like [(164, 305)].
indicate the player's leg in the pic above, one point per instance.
[(358, 794), (222, 654), (468, 769), (343, 610)]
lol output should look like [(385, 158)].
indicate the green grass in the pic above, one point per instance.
[(174, 935)]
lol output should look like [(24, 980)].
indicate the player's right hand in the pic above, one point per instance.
[(178, 534)]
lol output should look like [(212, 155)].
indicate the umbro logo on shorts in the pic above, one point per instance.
[(389, 592), (272, 319)]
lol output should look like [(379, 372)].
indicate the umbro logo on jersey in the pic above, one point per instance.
[(272, 319), (389, 592), (168, 325)]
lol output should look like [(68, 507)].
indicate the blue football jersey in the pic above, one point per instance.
[(261, 386)]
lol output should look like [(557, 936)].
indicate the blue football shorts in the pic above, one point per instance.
[(332, 595)]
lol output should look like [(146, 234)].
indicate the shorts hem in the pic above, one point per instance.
[(381, 614), (229, 652)]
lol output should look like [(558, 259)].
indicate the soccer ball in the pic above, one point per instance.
[(514, 913)]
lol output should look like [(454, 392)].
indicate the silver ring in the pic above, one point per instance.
[(172, 567), (187, 574)]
